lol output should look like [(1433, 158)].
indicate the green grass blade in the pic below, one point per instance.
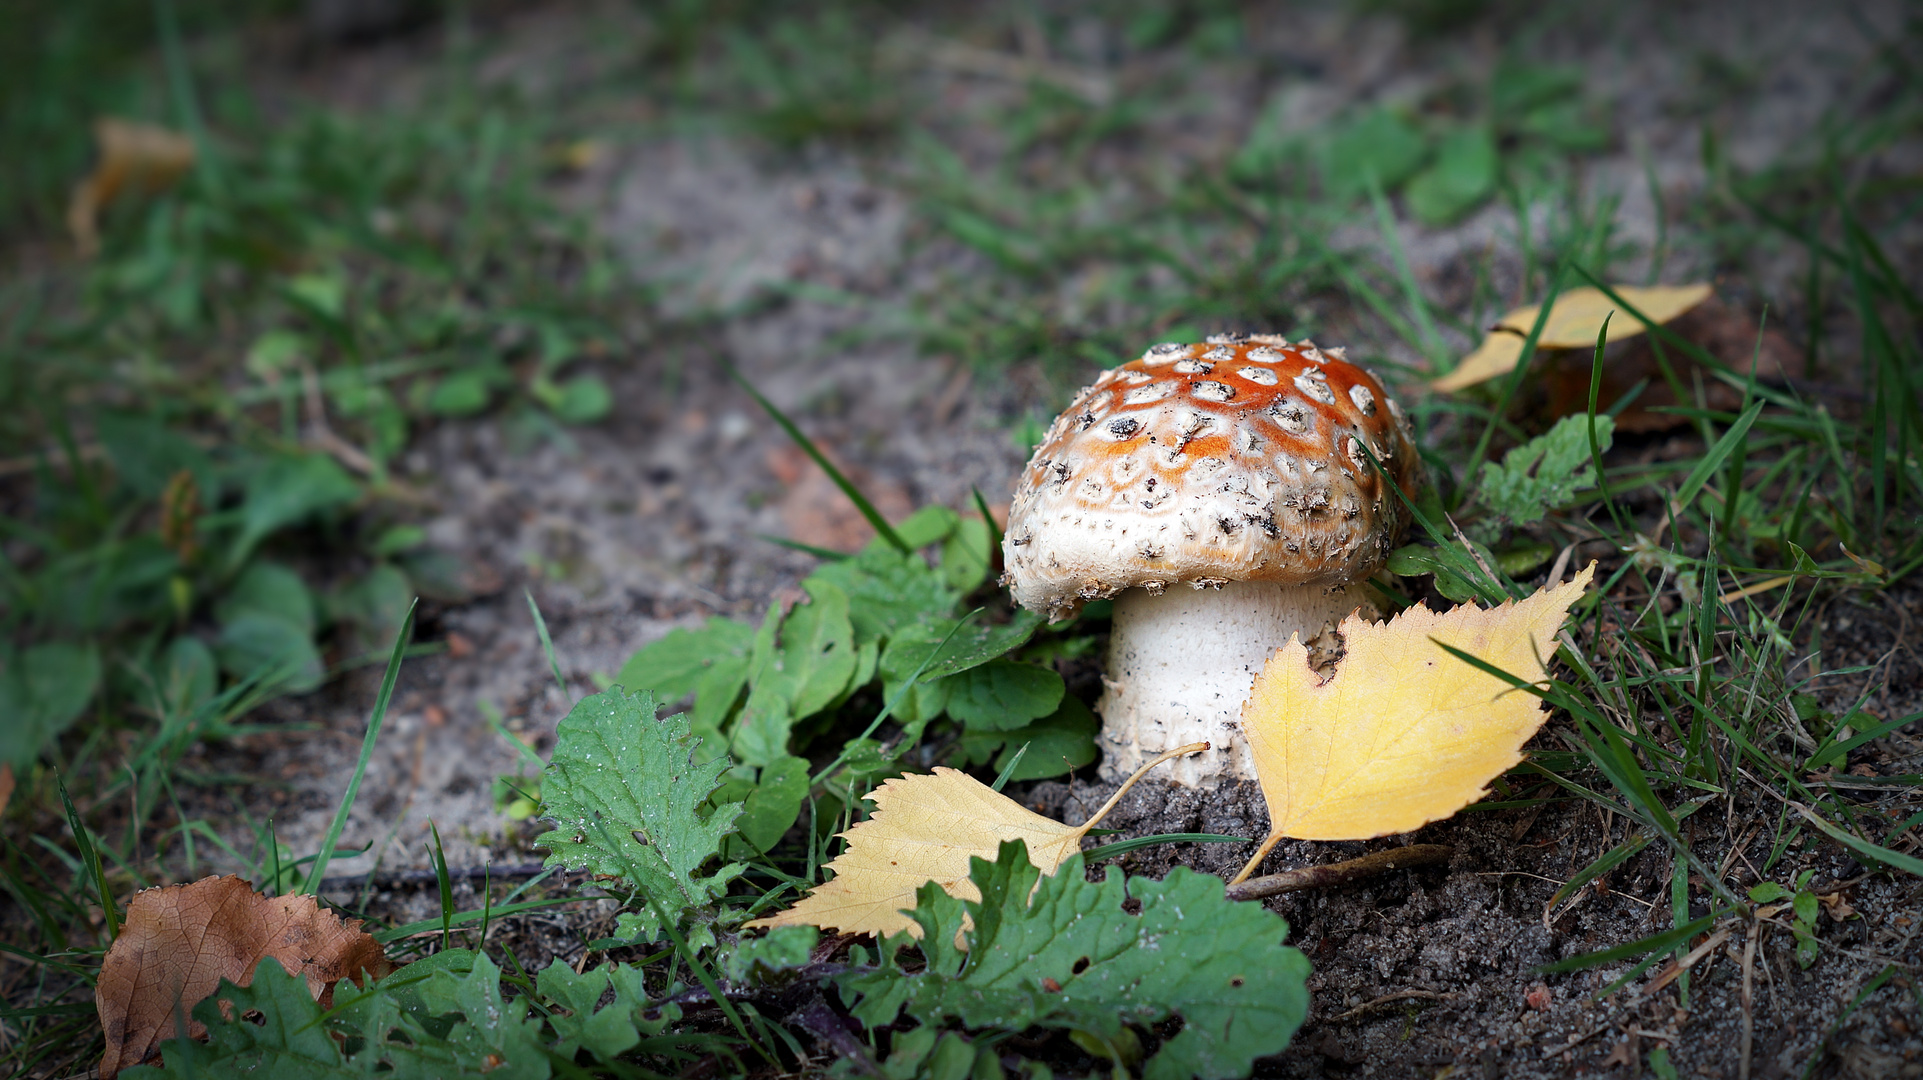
[(1659, 943), (95, 874), (1718, 453), (822, 553), (994, 527), (1836, 751), (888, 707), (1909, 864), (1822, 1045), (461, 918), (438, 854), (1514, 382), (547, 643), (1001, 779), (1431, 344), (374, 722), (1615, 857), (880, 524)]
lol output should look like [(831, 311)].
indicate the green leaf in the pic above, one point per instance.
[(796, 672), (1462, 176), (626, 794), (710, 662), (606, 1031), (887, 590), (772, 807), (462, 393), (1189, 952), (1057, 744), (437, 575), (907, 648), (290, 1041), (1003, 695), (377, 601), (43, 690), (186, 675), (268, 588), (970, 645), (146, 454), (1806, 946), (397, 539), (977, 643), (1379, 144), (1522, 558), (285, 491), (323, 294), (498, 1038), (1415, 560), (967, 555), (1544, 473), (279, 653), (1519, 86), (1568, 126), (276, 351), (1805, 907), (1769, 892), (783, 948), (928, 525), (583, 399)]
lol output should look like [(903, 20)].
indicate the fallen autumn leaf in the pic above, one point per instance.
[(181, 940), (138, 157), (1573, 323), (1402, 733), (927, 828)]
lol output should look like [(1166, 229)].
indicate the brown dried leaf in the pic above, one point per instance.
[(181, 940), (133, 157)]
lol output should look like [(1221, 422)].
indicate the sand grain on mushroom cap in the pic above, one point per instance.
[(1239, 466)]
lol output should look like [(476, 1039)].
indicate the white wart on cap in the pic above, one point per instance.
[(1222, 493)]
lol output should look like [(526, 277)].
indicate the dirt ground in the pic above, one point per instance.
[(652, 521)]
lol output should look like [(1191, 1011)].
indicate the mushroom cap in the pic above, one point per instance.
[(1240, 459)]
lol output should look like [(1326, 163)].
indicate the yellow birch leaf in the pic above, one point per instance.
[(926, 828), (1402, 733), (1578, 315), (1494, 358), (1573, 323)]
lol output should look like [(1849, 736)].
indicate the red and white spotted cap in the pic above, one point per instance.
[(1239, 459)]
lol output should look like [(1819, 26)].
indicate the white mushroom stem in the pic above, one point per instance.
[(1180, 666)]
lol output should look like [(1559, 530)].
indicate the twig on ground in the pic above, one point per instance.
[(1400, 995), (1674, 971), (1576, 1040), (1322, 877)]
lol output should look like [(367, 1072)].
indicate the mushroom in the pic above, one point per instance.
[(1221, 493)]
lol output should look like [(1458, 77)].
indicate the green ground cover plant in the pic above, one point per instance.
[(219, 515)]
